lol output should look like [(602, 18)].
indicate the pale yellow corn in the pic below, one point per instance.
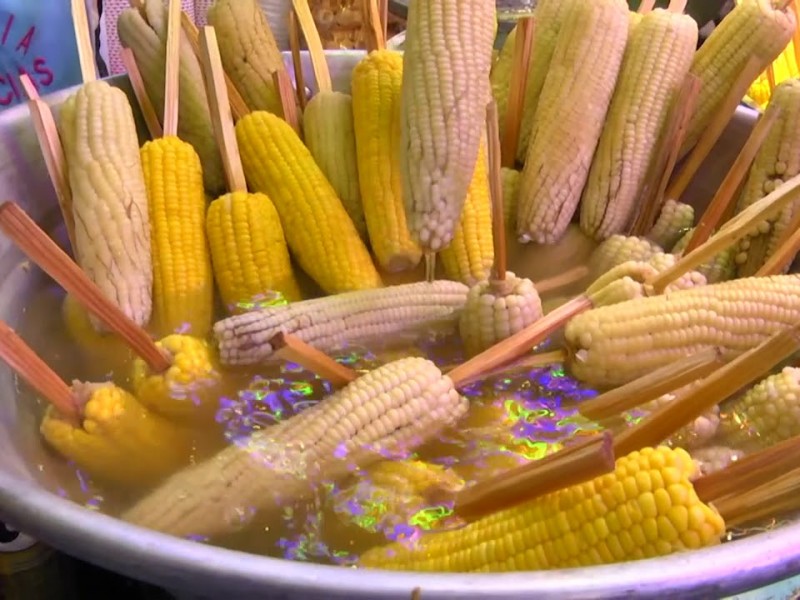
[(618, 249), (721, 267), (674, 220), (715, 458)]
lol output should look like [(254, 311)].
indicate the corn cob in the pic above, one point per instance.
[(183, 285), (784, 67), (714, 458), (321, 236), (550, 15), (777, 160), (618, 249), (695, 434), (248, 250), (646, 508), (753, 28), (469, 256), (496, 310), (189, 389), (500, 79), (510, 179), (721, 267), (146, 35), (376, 86), (441, 123), (583, 72), (674, 220), (612, 345), (118, 441), (354, 317), (330, 136), (248, 50), (109, 199), (395, 404), (768, 412), (656, 61)]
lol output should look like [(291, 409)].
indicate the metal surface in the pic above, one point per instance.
[(201, 571)]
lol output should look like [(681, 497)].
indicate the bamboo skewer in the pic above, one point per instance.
[(293, 349), (286, 93), (646, 6), (779, 495), (534, 361), (80, 23), (562, 280), (677, 6), (145, 106), (172, 68), (297, 62), (313, 43), (516, 92), (787, 249), (373, 25), (500, 263)]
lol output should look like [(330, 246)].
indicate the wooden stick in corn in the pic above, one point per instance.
[(785, 252), (291, 348), (779, 496), (646, 6), (297, 61), (288, 101), (140, 92), (517, 84)]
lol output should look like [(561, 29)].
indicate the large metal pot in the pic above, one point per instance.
[(201, 571)]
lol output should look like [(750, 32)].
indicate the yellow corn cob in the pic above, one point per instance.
[(354, 317), (183, 285), (146, 35), (550, 15), (618, 249), (118, 441), (248, 250), (714, 458), (510, 178), (469, 256), (376, 86), (109, 199), (615, 344), (674, 220), (189, 389), (500, 78), (321, 236), (496, 310), (656, 61), (645, 508), (769, 412), (777, 160), (583, 72), (248, 50), (752, 28), (398, 403), (784, 67), (721, 267), (445, 90), (331, 139)]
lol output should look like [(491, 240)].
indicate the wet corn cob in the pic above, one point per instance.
[(646, 508), (618, 249), (330, 136), (469, 256), (674, 220), (777, 160), (696, 434), (183, 284), (118, 440), (612, 345), (189, 389), (328, 322), (248, 250), (248, 50), (496, 310), (145, 33), (714, 458), (441, 124), (721, 267), (753, 28), (376, 87), (400, 403), (109, 199), (319, 233), (510, 179), (563, 140), (656, 61)]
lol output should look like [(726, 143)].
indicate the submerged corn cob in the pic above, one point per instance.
[(400, 403), (510, 179), (645, 508), (714, 458), (118, 441), (330, 136), (145, 33), (656, 61), (618, 249), (752, 28), (248, 250), (328, 322), (469, 256), (189, 389), (777, 160), (496, 310), (721, 267), (674, 220), (109, 199), (695, 434), (376, 86), (249, 53), (583, 72), (446, 64), (183, 285), (615, 344), (320, 235)]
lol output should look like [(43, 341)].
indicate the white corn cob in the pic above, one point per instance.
[(570, 116), (496, 310), (721, 267), (402, 403), (619, 249), (714, 458), (674, 220), (350, 317), (697, 433), (612, 345), (446, 65)]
